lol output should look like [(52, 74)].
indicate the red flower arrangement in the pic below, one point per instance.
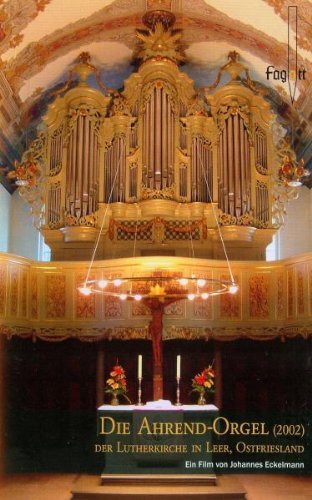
[(116, 384), (203, 382)]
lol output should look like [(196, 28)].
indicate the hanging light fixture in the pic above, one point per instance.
[(25, 173), (159, 285), (291, 172)]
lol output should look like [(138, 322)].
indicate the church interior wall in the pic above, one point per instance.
[(23, 236), (296, 236), (5, 209)]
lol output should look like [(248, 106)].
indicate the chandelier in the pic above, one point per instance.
[(291, 172), (26, 172), (159, 285)]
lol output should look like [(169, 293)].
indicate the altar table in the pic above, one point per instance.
[(156, 439)]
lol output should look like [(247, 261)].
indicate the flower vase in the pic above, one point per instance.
[(114, 400), (201, 399)]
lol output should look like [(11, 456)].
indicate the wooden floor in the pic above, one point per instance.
[(58, 487)]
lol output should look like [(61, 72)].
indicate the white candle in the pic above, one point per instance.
[(178, 366), (140, 366)]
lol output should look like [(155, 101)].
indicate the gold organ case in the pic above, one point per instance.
[(160, 159)]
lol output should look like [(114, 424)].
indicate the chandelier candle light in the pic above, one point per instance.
[(291, 172), (159, 284), (178, 403), (140, 358)]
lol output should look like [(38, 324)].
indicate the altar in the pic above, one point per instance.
[(156, 438), (157, 451)]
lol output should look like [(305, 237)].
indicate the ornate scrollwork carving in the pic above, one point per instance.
[(244, 220), (120, 106), (38, 147), (83, 68), (234, 68), (160, 43), (56, 157), (84, 110), (158, 229), (158, 194), (87, 221), (197, 107), (282, 193), (29, 175), (233, 108), (169, 89)]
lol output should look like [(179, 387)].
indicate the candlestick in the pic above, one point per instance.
[(178, 403), (139, 366), (178, 366), (139, 403)]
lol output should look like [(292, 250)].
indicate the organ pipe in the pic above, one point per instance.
[(183, 181), (54, 205), (261, 151), (115, 171), (82, 165), (134, 135), (56, 148), (234, 167), (133, 180), (262, 202), (158, 139), (201, 169)]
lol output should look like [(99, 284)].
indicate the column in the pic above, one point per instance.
[(100, 382)]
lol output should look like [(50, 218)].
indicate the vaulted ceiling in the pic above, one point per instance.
[(40, 39)]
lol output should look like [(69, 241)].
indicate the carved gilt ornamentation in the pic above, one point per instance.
[(160, 43), (300, 291), (55, 296), (259, 296)]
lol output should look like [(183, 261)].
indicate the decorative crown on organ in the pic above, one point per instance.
[(162, 154)]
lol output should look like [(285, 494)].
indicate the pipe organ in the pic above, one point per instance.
[(159, 149)]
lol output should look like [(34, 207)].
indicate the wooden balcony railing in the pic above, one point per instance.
[(40, 300)]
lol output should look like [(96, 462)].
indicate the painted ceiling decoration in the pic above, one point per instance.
[(14, 17), (305, 35), (200, 23), (40, 40)]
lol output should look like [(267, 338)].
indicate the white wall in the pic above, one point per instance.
[(296, 236), (5, 208), (23, 236)]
